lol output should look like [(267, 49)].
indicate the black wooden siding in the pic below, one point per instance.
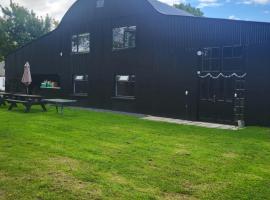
[(164, 60)]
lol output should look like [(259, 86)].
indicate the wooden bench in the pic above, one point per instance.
[(3, 97), (2, 101), (27, 104)]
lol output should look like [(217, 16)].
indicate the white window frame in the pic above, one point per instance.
[(123, 78), (124, 39), (80, 78), (2, 83), (77, 37)]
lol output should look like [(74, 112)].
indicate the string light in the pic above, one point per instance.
[(223, 75)]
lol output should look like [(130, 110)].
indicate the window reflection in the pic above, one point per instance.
[(80, 43), (124, 37)]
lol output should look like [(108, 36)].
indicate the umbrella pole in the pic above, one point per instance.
[(27, 91)]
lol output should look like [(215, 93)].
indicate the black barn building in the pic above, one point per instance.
[(144, 56)]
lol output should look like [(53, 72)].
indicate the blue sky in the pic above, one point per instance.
[(253, 10)]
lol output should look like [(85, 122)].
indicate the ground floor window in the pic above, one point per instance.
[(80, 84), (2, 83), (125, 86)]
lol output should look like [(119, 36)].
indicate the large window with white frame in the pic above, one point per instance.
[(124, 37), (125, 86), (80, 43)]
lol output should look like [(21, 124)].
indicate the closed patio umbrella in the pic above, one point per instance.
[(27, 79)]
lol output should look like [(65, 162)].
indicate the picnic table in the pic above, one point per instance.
[(27, 100), (59, 103), (3, 97)]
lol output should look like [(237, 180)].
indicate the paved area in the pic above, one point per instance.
[(164, 119), (192, 123), (110, 111)]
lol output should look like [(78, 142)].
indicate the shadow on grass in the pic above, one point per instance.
[(21, 109)]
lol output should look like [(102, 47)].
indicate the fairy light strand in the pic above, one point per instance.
[(223, 75)]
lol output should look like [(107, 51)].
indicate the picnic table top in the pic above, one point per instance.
[(60, 100), (4, 93), (27, 95)]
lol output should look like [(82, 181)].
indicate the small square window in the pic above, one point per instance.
[(100, 3), (80, 84), (125, 86)]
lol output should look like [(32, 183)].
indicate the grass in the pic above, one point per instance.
[(89, 155)]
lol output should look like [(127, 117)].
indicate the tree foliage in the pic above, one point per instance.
[(190, 9), (19, 26)]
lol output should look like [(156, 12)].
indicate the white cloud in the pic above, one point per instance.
[(208, 3), (248, 2), (55, 8), (171, 2), (233, 17)]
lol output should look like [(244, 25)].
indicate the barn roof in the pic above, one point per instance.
[(166, 9)]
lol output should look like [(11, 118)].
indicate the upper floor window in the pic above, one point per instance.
[(80, 43), (100, 3), (232, 51), (233, 58), (211, 59), (227, 58), (124, 37)]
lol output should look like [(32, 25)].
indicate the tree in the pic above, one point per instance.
[(19, 26), (192, 10)]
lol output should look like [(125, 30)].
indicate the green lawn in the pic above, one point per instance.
[(89, 155)]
